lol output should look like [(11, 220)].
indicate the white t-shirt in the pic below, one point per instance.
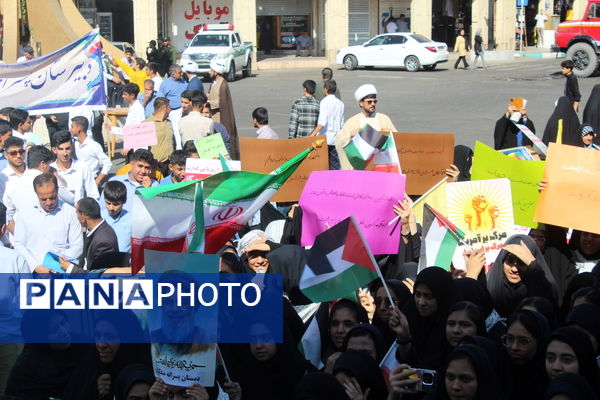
[(539, 20), (391, 27)]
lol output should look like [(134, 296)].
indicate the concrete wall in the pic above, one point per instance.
[(420, 17), (244, 20), (504, 22), (336, 27), (145, 24), (10, 39), (579, 7), (479, 19)]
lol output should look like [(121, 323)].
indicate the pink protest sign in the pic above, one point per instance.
[(139, 135), (332, 196)]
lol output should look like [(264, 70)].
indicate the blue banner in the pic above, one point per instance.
[(169, 307), (70, 77)]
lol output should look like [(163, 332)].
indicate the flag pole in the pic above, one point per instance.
[(385, 286), (315, 145)]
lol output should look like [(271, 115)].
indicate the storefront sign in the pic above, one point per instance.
[(190, 15)]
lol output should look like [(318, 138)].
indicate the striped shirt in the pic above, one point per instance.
[(304, 117)]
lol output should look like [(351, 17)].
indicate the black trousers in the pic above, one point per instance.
[(464, 60)]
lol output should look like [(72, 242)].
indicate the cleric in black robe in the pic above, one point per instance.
[(565, 118)]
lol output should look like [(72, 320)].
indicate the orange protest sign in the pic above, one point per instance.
[(424, 158), (265, 155), (572, 198)]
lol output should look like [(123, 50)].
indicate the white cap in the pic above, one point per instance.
[(217, 66), (364, 91), (190, 66)]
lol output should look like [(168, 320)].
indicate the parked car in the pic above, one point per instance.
[(220, 41), (123, 45), (408, 50)]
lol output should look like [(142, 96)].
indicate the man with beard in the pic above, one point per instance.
[(221, 105), (366, 96)]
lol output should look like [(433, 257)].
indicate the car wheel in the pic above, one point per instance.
[(246, 72), (231, 73), (412, 64), (350, 62), (584, 58), (429, 67)]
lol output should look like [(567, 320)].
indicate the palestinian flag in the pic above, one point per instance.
[(363, 147), (389, 363), (387, 159), (340, 262), (163, 217), (231, 198), (440, 239)]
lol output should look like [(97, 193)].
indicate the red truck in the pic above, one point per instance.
[(580, 39)]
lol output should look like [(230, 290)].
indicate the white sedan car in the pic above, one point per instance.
[(409, 50)]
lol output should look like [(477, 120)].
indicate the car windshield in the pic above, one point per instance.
[(211, 40), (420, 38)]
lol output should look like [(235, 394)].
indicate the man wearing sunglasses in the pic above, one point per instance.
[(366, 96), (15, 157)]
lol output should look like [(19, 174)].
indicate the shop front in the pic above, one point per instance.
[(279, 22)]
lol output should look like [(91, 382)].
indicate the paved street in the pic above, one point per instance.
[(466, 102)]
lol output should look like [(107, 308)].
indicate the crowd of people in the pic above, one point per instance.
[(527, 329)]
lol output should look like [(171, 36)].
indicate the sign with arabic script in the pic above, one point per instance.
[(190, 15), (483, 210), (69, 77), (572, 198)]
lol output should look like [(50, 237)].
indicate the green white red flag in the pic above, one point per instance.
[(387, 159), (364, 146)]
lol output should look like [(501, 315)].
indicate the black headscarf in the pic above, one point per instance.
[(290, 260), (472, 290), (582, 346), (591, 112), (570, 124), (530, 379), (83, 384), (403, 295), (429, 333), (269, 380), (574, 386), (374, 334), (582, 280), (463, 159), (320, 386), (538, 281), (586, 316), (488, 385), (499, 361), (131, 375), (365, 370)]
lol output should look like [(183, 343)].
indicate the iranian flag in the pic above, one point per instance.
[(387, 159), (340, 262), (440, 239), (231, 198), (163, 217), (364, 146)]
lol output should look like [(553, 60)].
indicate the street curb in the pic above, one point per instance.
[(541, 55)]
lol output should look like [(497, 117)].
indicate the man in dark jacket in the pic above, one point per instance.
[(99, 237)]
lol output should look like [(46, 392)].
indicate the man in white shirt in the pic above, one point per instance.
[(15, 155), (540, 20), (21, 195), (27, 54), (88, 151), (152, 72), (136, 113), (74, 175), (49, 226), (195, 126), (331, 119), (391, 26), (21, 124)]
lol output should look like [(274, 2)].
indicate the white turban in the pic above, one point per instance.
[(190, 66), (364, 91), (217, 66)]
